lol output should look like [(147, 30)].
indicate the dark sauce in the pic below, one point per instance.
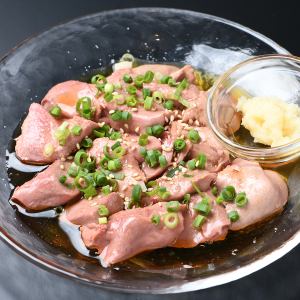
[(51, 227)]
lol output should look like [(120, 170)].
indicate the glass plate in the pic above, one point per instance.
[(74, 50)]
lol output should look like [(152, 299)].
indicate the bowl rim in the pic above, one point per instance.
[(192, 285), (246, 150)]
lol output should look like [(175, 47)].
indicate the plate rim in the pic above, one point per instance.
[(192, 285)]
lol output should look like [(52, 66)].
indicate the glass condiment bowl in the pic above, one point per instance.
[(267, 75)]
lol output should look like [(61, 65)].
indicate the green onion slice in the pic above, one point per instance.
[(171, 220)]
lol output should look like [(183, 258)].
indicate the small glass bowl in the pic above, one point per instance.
[(266, 75)]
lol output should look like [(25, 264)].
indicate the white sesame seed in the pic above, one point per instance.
[(70, 157), (172, 118), (137, 129), (111, 111), (78, 146), (126, 126), (62, 159), (101, 124), (134, 109), (62, 167), (166, 119), (197, 123)]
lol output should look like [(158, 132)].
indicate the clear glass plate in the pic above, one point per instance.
[(74, 50)]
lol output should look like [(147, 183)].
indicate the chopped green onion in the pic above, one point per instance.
[(136, 194), (143, 139), (120, 99), (131, 101), (228, 193), (233, 216), (158, 96), (114, 165), (148, 103), (157, 130), (138, 81), (55, 111), (114, 185), (171, 220), (214, 191), (169, 104), (73, 170), (104, 162), (173, 206), (119, 152), (76, 130), (155, 219), (152, 158), (108, 88), (241, 199), (48, 150), (162, 161), (106, 190), (165, 79), (108, 97), (131, 90), (98, 79), (82, 160), (100, 179), (115, 135), (194, 136), (143, 152), (87, 143), (219, 200), (201, 161), (62, 179), (62, 133), (102, 131), (172, 82), (186, 199), (172, 172), (127, 78), (182, 163), (146, 93), (84, 107), (115, 145), (103, 211), (199, 221), (203, 207), (102, 220), (126, 115), (120, 115), (182, 85), (106, 152), (191, 164), (179, 145), (149, 130), (148, 77)]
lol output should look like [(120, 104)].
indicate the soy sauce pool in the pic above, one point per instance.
[(56, 232)]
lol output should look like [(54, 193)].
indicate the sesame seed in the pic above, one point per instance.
[(126, 126), (111, 111), (62, 167), (78, 146), (197, 123), (70, 157), (121, 130), (191, 122), (172, 118), (166, 119), (62, 159), (137, 129), (197, 163), (134, 109), (101, 124)]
